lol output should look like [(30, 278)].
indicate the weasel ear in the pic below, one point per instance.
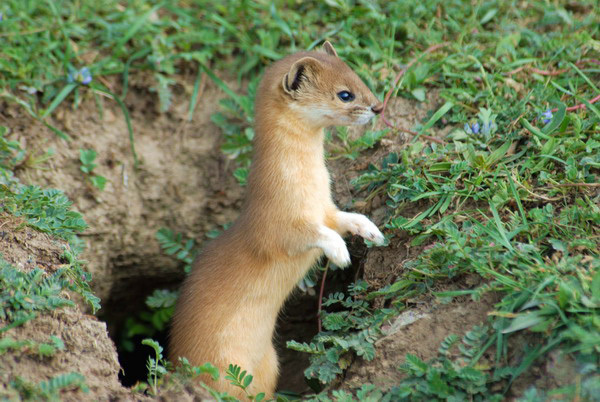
[(301, 71), (328, 48)]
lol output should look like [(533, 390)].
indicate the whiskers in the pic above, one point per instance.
[(362, 116)]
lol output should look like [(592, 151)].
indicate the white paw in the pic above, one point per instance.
[(334, 247), (361, 225), (338, 254)]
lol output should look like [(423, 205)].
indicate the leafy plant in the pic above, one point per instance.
[(241, 379), (451, 378), (351, 148), (161, 306), (87, 158), (174, 245), (236, 121), (11, 153), (31, 347), (26, 293), (157, 366), (23, 294), (186, 370), (49, 390), (161, 303), (367, 392), (46, 210), (351, 330)]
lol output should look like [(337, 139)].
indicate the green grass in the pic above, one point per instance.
[(507, 196)]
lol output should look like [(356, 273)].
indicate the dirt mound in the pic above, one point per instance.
[(418, 331), (87, 350), (27, 248), (182, 181)]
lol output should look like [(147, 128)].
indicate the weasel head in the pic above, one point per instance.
[(321, 90)]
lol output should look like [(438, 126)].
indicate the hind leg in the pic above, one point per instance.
[(266, 373)]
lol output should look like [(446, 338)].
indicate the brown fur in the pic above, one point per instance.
[(229, 304)]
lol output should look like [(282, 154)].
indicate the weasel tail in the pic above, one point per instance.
[(229, 303)]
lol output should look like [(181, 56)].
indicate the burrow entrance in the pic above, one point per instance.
[(297, 321)]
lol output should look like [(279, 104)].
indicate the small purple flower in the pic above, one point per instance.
[(1, 16), (472, 128), (547, 116), (82, 76)]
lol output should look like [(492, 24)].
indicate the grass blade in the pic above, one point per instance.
[(557, 120), (500, 227), (59, 98), (194, 98), (534, 130), (104, 90), (221, 84), (139, 22), (436, 116)]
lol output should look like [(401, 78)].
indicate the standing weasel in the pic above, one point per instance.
[(228, 306)]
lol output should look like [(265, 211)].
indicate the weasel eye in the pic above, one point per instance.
[(345, 96)]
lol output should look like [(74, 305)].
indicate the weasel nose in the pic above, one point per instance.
[(377, 109)]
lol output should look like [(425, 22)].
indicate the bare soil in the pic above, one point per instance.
[(418, 331), (88, 349)]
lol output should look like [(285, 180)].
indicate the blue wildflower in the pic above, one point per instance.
[(472, 128), (547, 116), (83, 76), (1, 16), (488, 127)]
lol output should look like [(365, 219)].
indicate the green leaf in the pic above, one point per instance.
[(247, 380), (523, 321), (419, 94), (416, 365), (489, 15), (498, 153), (208, 368), (125, 111), (534, 130), (140, 21), (557, 119), (58, 99), (595, 285), (87, 157), (98, 181), (436, 116), (46, 350), (194, 98)]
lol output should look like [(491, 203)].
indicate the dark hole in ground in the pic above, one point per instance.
[(297, 321), (125, 311)]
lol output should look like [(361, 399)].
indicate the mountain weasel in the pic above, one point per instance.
[(228, 306)]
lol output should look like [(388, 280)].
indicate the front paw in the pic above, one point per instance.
[(333, 246), (361, 225), (338, 253)]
